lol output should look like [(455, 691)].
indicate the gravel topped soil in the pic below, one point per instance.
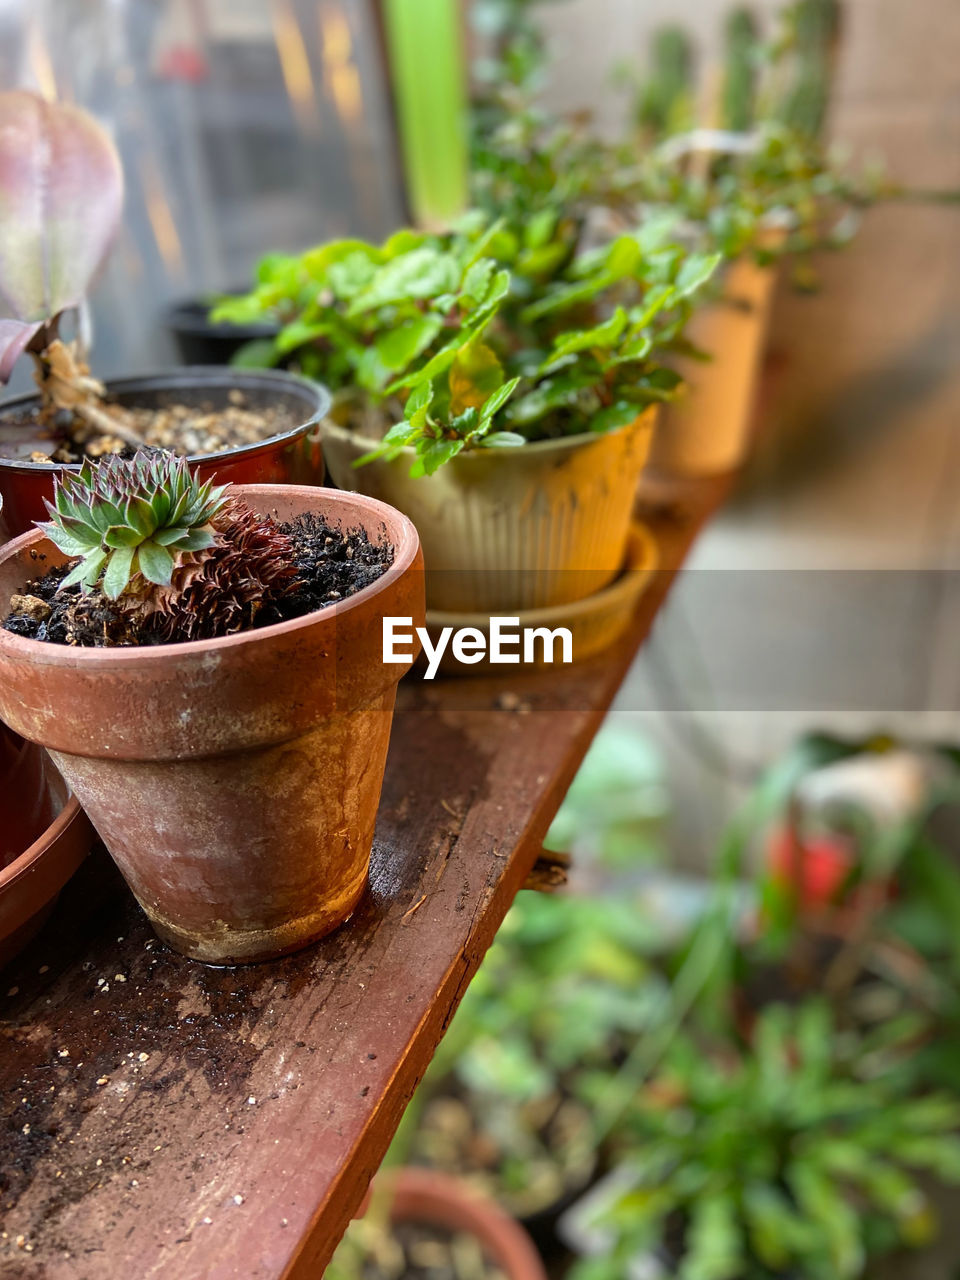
[(196, 429)]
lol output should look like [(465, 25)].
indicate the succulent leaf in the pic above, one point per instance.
[(156, 563), (61, 194), (132, 521)]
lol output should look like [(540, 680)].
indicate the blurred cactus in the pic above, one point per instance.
[(812, 29), (741, 50), (663, 102)]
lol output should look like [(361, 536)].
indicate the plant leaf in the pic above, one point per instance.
[(87, 571), (602, 336), (433, 454), (61, 194), (474, 376), (503, 440), (15, 337), (119, 535), (156, 563), (497, 400), (398, 346), (118, 572)]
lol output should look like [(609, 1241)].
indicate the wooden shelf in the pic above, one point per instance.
[(169, 1120)]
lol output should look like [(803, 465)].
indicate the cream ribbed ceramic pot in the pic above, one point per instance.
[(510, 529)]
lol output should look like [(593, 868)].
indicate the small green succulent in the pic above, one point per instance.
[(124, 517)]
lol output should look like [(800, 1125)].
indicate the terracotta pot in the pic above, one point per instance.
[(511, 529), (294, 457), (28, 803), (234, 781), (44, 836), (707, 431), (437, 1199)]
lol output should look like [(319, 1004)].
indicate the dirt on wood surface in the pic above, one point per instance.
[(332, 565), (195, 430)]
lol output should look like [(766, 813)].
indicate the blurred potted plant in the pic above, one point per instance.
[(804, 1155), (756, 182), (858, 897), (565, 987), (420, 1222), (61, 191), (508, 415), (215, 656)]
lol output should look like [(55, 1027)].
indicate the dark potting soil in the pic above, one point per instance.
[(332, 566), (421, 1252)]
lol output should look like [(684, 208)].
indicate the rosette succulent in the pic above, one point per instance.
[(126, 519), (162, 557)]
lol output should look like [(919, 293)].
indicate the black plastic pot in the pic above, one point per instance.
[(200, 341), (294, 457)]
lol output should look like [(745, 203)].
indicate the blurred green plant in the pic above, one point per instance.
[(664, 101), (800, 1155), (803, 52), (740, 71), (752, 1139), (615, 810), (565, 988)]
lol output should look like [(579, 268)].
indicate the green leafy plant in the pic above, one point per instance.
[(358, 314), (614, 813), (750, 172), (799, 1155), (479, 356), (565, 986)]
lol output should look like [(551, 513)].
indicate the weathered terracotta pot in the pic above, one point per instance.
[(44, 837), (234, 781)]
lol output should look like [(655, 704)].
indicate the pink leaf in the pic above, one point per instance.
[(61, 195), (15, 336)]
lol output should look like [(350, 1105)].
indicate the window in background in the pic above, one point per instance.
[(245, 126)]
